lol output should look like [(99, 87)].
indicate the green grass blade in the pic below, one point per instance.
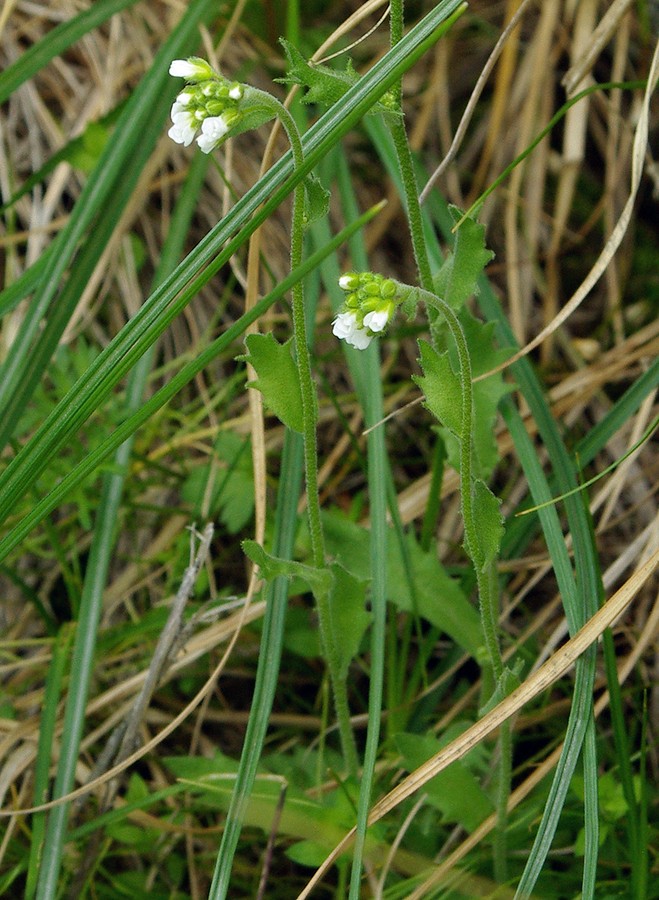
[(47, 736), (27, 281), (580, 603), (637, 843), (123, 431), (267, 672)]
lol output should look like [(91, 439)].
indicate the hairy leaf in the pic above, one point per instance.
[(457, 279), (277, 379), (324, 85), (441, 387)]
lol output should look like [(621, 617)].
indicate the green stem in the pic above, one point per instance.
[(486, 576), (310, 418), (398, 132)]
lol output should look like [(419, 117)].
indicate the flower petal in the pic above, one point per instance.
[(377, 319), (213, 129), (344, 325), (359, 339), (182, 133)]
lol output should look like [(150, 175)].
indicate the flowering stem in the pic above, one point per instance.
[(310, 418), (486, 575), (405, 163)]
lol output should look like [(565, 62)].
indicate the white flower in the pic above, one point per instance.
[(184, 128), (213, 130), (348, 282), (236, 92), (376, 320), (346, 327), (193, 69)]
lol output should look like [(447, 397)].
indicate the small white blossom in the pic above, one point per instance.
[(236, 92), (192, 69), (213, 130), (376, 320), (184, 128), (347, 328)]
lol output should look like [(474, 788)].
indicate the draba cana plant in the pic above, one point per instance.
[(212, 109)]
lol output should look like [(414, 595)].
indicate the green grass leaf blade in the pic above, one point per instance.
[(105, 194), (100, 553), (580, 601), (47, 735), (267, 672)]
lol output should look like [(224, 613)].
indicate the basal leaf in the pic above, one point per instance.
[(232, 499), (455, 791), (277, 377)]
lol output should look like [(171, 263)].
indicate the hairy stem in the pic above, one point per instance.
[(310, 417), (486, 575), (398, 132)]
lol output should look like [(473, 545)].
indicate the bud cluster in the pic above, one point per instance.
[(209, 104), (370, 303)]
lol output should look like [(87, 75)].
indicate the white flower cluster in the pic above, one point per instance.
[(370, 303), (207, 108)]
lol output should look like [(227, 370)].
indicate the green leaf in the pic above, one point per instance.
[(277, 379), (490, 524), (349, 616), (458, 277), (441, 387), (316, 200), (85, 152), (455, 791), (488, 393), (318, 580), (432, 594), (307, 853), (323, 85), (346, 593), (301, 635), (508, 681), (233, 487)]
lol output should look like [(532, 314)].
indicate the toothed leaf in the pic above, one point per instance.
[(324, 85), (277, 378), (441, 387)]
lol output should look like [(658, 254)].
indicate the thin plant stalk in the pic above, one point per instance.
[(310, 418)]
